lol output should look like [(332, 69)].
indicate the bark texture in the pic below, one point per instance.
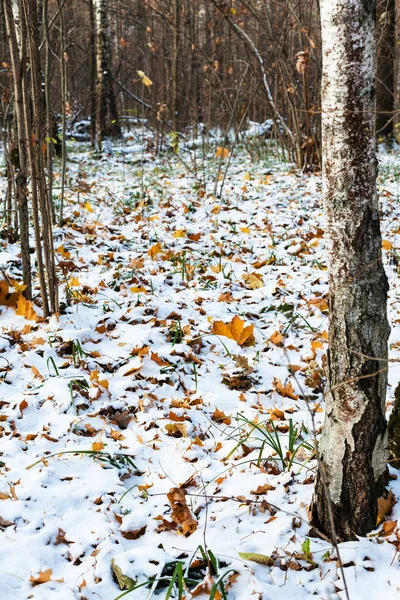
[(107, 123), (397, 72), (353, 444), (385, 70)]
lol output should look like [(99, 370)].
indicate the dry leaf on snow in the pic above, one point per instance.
[(235, 330), (181, 514), (385, 507), (287, 391)]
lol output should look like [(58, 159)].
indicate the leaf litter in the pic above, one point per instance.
[(161, 423)]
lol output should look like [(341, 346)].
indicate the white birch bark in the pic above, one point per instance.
[(353, 443)]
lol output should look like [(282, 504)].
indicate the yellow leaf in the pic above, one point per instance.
[(246, 177), (386, 245), (25, 309), (73, 282), (222, 152), (98, 446), (144, 79), (94, 378), (245, 229), (61, 250), (179, 233), (18, 287), (154, 250), (253, 281), (235, 330), (88, 206), (138, 289)]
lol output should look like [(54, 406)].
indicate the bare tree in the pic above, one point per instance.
[(353, 446)]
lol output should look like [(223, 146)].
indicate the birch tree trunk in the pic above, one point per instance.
[(353, 446)]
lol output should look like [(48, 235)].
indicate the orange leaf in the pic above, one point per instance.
[(43, 577), (234, 330), (160, 361), (222, 152), (386, 245), (276, 414), (388, 527), (25, 309), (287, 391), (181, 514), (221, 417), (154, 250), (276, 338), (384, 507)]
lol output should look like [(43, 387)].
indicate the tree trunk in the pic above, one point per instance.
[(33, 106), (353, 446), (107, 123), (21, 146), (92, 82), (385, 68), (397, 72)]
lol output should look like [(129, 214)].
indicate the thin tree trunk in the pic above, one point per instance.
[(353, 446), (64, 109), (49, 113), (385, 67), (40, 197), (92, 84), (21, 146), (397, 72)]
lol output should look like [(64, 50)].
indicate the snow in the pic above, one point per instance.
[(152, 276)]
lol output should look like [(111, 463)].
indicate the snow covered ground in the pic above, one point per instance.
[(189, 355)]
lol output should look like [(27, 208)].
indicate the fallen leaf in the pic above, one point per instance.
[(261, 559), (235, 330), (222, 152), (387, 245), (221, 417), (160, 361), (276, 338), (276, 414), (97, 446), (388, 528), (287, 391), (134, 535), (181, 514), (177, 430), (253, 281), (385, 506), (25, 309), (124, 582), (43, 577), (262, 489)]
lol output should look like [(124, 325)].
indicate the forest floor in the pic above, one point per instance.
[(160, 428)]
